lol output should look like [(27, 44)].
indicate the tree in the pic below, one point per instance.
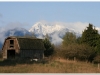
[(69, 38), (90, 36), (98, 46), (78, 40), (49, 47), (81, 52)]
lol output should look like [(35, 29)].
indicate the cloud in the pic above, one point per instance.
[(76, 26), (56, 39), (9, 26), (98, 29), (2, 35), (13, 25)]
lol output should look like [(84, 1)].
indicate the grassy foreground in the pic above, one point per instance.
[(53, 66)]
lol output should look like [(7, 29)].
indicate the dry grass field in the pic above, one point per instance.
[(53, 66)]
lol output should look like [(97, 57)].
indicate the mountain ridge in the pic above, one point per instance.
[(55, 31)]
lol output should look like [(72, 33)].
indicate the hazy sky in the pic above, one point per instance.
[(28, 13)]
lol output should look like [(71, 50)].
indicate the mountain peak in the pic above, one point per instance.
[(55, 31), (44, 28)]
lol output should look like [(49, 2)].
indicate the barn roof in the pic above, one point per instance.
[(30, 43)]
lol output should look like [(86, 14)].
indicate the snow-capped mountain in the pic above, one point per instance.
[(44, 28), (55, 32)]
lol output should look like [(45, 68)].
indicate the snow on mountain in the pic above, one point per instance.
[(55, 32), (44, 28)]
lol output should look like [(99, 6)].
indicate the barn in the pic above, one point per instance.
[(22, 47)]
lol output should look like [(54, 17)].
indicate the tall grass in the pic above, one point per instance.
[(53, 66)]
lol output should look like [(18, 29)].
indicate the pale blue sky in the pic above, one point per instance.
[(28, 13)]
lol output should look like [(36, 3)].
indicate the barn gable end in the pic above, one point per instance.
[(10, 47)]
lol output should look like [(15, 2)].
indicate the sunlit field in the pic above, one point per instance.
[(52, 66)]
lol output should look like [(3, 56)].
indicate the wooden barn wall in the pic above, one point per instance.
[(32, 53), (16, 46), (7, 47)]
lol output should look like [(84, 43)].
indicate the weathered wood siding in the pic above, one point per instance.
[(32, 53), (5, 50), (7, 47)]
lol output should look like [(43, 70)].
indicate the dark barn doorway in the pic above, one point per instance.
[(10, 54)]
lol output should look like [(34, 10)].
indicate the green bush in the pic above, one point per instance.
[(49, 47), (79, 51)]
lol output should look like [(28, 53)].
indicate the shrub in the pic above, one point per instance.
[(97, 59), (49, 47), (80, 51)]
